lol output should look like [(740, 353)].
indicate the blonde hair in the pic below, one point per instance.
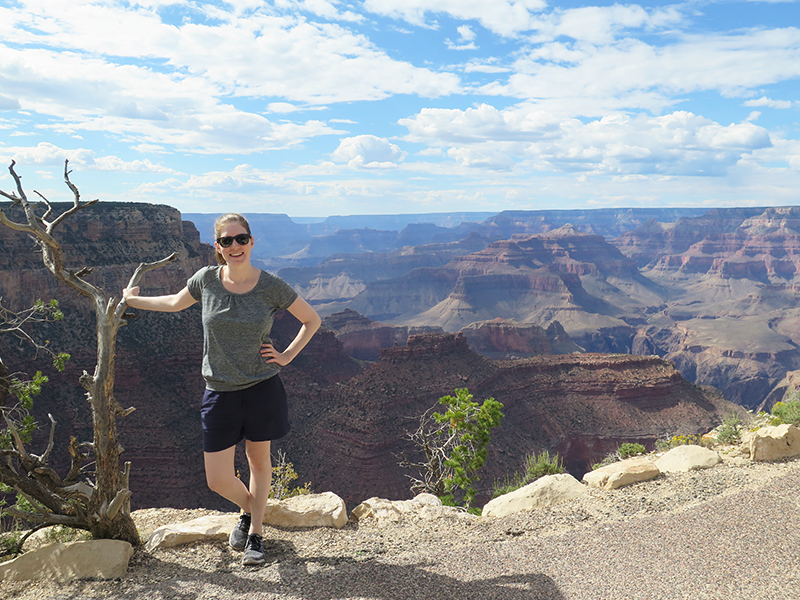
[(220, 223)]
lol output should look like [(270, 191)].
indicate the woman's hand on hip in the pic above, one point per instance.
[(270, 354)]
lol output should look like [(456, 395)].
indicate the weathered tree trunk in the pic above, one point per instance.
[(104, 507)]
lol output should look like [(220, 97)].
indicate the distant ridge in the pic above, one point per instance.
[(283, 241)]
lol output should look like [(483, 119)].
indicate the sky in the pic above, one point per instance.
[(342, 107)]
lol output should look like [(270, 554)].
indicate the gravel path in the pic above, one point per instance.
[(724, 533)]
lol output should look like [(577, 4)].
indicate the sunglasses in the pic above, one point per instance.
[(242, 239)]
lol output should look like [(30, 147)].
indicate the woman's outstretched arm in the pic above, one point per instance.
[(171, 303)]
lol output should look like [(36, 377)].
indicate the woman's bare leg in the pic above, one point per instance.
[(221, 478), (258, 457)]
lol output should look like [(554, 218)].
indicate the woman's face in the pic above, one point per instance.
[(234, 254)]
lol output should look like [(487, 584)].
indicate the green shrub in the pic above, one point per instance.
[(454, 447), (677, 440), (624, 451), (470, 424), (283, 474), (786, 412), (536, 467), (629, 450), (730, 432)]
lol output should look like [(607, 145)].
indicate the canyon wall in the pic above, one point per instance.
[(349, 420)]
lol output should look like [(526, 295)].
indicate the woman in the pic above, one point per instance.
[(244, 396)]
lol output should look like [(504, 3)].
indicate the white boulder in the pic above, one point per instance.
[(687, 458), (215, 527), (423, 506), (774, 442), (624, 472), (545, 491), (309, 510), (97, 559)]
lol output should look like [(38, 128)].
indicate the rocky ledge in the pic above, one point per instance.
[(684, 479)]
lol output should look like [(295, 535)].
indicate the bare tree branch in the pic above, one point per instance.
[(49, 519), (76, 201)]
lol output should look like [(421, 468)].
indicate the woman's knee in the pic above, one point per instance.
[(258, 457), (220, 472), (218, 482)]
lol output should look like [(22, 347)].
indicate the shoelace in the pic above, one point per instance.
[(255, 542)]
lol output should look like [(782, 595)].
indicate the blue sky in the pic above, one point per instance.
[(321, 107)]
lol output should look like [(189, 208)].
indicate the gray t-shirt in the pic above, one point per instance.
[(235, 326)]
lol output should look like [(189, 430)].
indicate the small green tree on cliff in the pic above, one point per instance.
[(17, 421), (100, 505), (454, 444)]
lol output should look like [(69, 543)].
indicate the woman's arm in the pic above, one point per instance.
[(310, 319), (171, 303)]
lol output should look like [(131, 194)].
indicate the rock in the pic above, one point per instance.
[(550, 489), (310, 510), (687, 458), (424, 506), (622, 473), (217, 527), (775, 442), (96, 559)]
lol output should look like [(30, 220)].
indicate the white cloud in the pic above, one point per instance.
[(504, 17), (485, 65), (764, 101), (281, 107), (466, 37), (600, 24), (590, 80), (368, 151), (451, 46), (680, 143), (465, 33), (47, 154), (93, 95), (9, 103), (482, 156), (258, 53)]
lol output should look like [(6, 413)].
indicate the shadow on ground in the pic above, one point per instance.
[(287, 575)]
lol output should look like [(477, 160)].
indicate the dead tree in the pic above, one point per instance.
[(435, 442), (101, 505)]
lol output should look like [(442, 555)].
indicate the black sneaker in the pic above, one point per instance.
[(238, 537), (254, 551)]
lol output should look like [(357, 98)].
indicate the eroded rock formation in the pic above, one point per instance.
[(349, 422)]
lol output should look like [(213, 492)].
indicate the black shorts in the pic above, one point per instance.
[(258, 413)]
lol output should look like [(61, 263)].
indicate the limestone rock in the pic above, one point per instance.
[(624, 472), (97, 559), (687, 458), (545, 491), (310, 510), (424, 506), (775, 442), (216, 527)]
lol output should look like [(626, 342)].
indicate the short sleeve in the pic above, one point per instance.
[(282, 294), (196, 284)]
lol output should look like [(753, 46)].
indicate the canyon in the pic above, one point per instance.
[(715, 294), (572, 308)]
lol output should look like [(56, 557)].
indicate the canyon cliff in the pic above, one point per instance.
[(731, 289), (716, 294), (581, 405), (349, 419)]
